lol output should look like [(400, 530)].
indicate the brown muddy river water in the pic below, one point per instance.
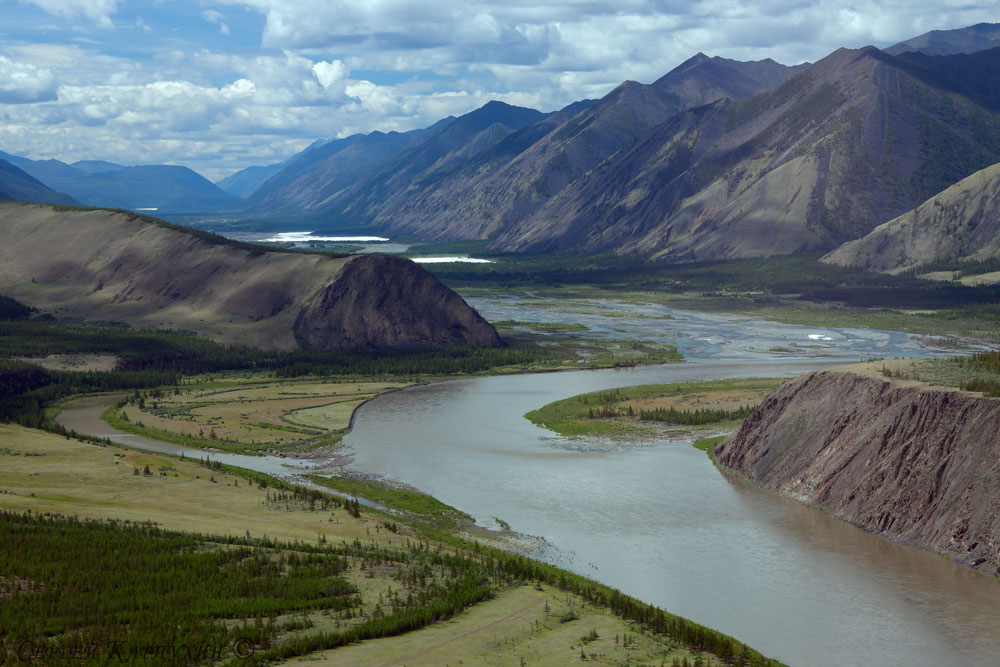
[(657, 520)]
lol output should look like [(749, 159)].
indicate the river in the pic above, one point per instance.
[(658, 521)]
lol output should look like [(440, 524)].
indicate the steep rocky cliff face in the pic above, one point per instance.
[(915, 465), (107, 265)]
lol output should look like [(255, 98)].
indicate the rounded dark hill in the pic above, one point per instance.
[(378, 302)]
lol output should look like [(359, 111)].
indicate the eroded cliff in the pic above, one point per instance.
[(107, 265), (915, 465)]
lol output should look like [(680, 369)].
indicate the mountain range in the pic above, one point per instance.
[(169, 188), (717, 159)]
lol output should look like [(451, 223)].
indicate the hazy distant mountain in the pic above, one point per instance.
[(18, 185), (244, 182), (839, 148), (166, 188), (15, 160), (96, 166), (346, 177), (169, 189), (322, 173), (962, 222), (947, 42)]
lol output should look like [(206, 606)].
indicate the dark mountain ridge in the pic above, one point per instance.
[(948, 42), (840, 147), (481, 197)]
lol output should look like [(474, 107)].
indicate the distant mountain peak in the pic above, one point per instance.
[(970, 39)]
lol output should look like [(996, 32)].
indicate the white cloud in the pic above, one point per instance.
[(97, 11), (329, 73), (22, 82), (324, 68), (212, 16)]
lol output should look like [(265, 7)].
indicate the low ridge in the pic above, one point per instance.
[(108, 265)]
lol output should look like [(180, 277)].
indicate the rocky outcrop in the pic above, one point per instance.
[(915, 465), (113, 266), (378, 302)]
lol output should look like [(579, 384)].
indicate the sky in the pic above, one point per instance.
[(218, 85)]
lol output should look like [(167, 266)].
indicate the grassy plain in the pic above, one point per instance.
[(522, 624), (964, 373), (45, 473), (607, 413), (249, 412), (426, 602)]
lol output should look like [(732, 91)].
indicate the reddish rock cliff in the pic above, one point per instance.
[(915, 465)]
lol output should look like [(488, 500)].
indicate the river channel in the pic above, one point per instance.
[(656, 519)]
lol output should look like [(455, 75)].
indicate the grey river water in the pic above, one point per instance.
[(658, 521)]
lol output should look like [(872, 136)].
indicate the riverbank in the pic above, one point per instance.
[(659, 410), (215, 504), (889, 447)]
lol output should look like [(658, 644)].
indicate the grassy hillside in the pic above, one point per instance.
[(295, 573)]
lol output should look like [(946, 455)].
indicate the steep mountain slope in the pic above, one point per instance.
[(974, 75), (326, 171), (104, 265), (350, 184), (947, 42), (530, 167), (914, 465), (962, 222), (18, 185), (839, 148), (245, 181)]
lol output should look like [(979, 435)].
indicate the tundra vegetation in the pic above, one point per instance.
[(680, 408), (194, 560), (291, 571)]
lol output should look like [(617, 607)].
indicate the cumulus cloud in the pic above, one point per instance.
[(277, 74), (97, 11), (22, 82)]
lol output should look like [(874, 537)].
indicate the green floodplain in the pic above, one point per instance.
[(303, 573)]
